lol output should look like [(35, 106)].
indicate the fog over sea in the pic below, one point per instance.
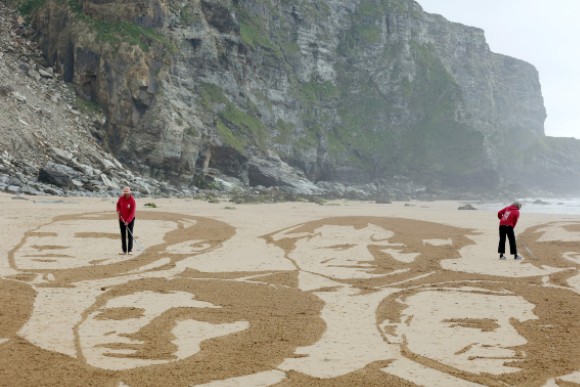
[(538, 206)]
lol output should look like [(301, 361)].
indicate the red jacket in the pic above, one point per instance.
[(126, 208), (508, 216)]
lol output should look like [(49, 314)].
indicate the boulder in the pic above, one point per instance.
[(276, 173), (58, 175)]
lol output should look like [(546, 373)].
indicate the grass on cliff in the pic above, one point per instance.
[(253, 35), (117, 32), (377, 128), (254, 32), (441, 143), (283, 132), (237, 128), (27, 7), (87, 107), (113, 32)]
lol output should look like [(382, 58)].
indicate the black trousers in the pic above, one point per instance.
[(509, 232), (127, 237)]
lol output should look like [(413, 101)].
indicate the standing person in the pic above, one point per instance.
[(126, 211), (508, 218)]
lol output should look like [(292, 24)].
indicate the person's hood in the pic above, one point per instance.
[(513, 208)]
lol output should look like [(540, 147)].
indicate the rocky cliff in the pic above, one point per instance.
[(49, 137), (349, 91)]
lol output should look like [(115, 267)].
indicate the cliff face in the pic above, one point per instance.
[(343, 90)]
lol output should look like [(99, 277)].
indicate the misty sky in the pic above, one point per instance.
[(545, 33)]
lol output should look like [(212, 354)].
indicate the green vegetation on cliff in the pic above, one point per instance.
[(368, 20), (351, 88), (254, 32), (27, 7), (238, 129), (283, 132), (113, 32), (440, 143), (404, 120)]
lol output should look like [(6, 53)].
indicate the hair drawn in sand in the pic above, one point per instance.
[(16, 300)]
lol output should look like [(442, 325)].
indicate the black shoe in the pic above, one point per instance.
[(517, 257), (502, 257)]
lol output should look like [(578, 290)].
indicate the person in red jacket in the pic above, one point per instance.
[(126, 211), (508, 218)]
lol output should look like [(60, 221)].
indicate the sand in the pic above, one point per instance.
[(286, 294)]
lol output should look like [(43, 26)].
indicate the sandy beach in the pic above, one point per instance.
[(285, 294)]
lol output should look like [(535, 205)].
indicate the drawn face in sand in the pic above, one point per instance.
[(80, 247), (121, 332), (341, 252), (355, 248), (477, 328), (555, 244), (484, 339), (172, 331)]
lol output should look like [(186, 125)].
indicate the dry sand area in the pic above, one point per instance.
[(288, 294)]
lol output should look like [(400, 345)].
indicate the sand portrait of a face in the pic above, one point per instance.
[(483, 332), (109, 336), (369, 248), (70, 248), (555, 244), (485, 341), (181, 331)]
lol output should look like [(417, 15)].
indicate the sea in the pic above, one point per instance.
[(568, 206)]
